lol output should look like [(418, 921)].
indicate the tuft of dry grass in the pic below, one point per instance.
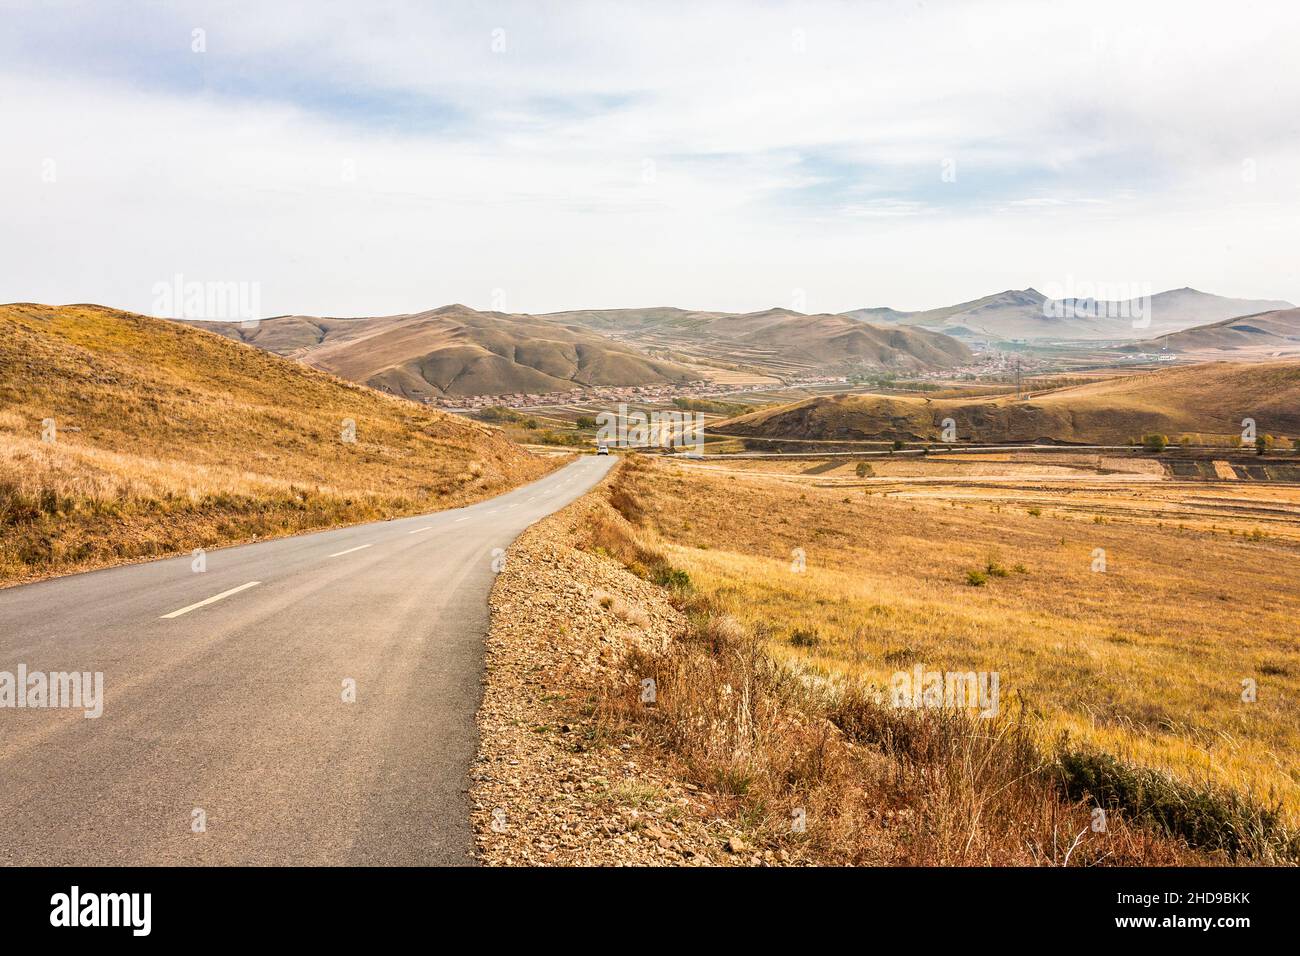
[(169, 438)]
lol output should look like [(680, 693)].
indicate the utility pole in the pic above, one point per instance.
[(1017, 378)]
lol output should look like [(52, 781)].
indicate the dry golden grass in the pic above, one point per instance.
[(169, 438), (774, 742), (868, 787), (1144, 661)]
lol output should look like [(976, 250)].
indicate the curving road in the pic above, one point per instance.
[(224, 708)]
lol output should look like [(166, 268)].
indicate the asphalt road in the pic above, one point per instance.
[(236, 707)]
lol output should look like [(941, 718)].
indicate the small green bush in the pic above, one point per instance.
[(670, 577), (1206, 816), (805, 638)]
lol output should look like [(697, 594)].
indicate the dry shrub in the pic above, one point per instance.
[(627, 613), (630, 614), (876, 785)]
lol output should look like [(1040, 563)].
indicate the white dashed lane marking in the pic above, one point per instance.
[(360, 547), (212, 600)]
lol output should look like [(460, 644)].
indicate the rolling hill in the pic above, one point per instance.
[(1266, 335), (456, 351), (1028, 314), (778, 340), (166, 438), (1197, 399)]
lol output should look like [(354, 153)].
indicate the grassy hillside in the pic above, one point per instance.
[(825, 342), (456, 351), (1210, 399), (1267, 332), (170, 438), (833, 341), (1125, 686)]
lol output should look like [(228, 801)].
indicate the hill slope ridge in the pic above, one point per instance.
[(1212, 398)]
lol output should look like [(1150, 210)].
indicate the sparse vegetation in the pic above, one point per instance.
[(994, 568), (567, 439), (713, 406), (498, 415)]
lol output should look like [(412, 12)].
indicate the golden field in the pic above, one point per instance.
[(1144, 660), (168, 438)]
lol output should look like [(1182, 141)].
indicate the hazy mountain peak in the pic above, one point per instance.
[(1025, 314)]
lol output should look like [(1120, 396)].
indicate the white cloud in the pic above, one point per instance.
[(717, 155)]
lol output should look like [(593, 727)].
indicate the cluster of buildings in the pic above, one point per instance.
[(596, 394), (663, 392), (992, 364)]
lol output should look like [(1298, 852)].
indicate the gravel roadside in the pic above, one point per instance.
[(545, 790)]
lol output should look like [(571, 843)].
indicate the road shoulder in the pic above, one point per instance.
[(546, 790)]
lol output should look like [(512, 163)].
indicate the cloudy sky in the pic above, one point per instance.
[(376, 157)]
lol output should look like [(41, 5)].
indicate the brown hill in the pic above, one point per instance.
[(777, 338), (1265, 335), (456, 351), (1207, 399), (168, 438)]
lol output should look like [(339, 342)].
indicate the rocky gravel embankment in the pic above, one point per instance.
[(545, 789)]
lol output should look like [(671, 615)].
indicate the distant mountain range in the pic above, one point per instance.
[(1028, 314), (456, 351)]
